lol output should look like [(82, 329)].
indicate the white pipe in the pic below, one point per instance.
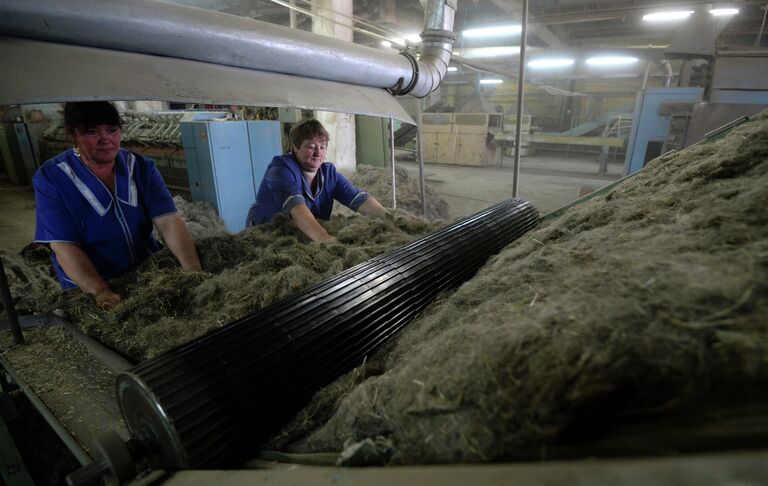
[(420, 154), (520, 97), (392, 158)]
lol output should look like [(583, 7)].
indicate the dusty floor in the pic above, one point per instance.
[(547, 180)]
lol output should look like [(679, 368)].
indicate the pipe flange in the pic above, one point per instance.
[(398, 90)]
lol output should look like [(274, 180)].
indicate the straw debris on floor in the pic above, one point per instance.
[(648, 302)]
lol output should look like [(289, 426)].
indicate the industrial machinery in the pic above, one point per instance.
[(460, 138), (18, 151), (504, 136), (226, 161), (166, 425), (652, 123), (207, 403)]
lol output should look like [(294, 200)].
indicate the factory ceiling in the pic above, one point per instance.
[(576, 29), (553, 23)]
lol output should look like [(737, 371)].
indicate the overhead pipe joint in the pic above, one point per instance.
[(436, 45)]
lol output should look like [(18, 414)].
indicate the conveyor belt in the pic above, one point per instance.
[(69, 392), (210, 402)]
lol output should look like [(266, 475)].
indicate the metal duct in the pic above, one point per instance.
[(212, 401), (184, 32)]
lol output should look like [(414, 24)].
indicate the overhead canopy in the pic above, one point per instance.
[(45, 72)]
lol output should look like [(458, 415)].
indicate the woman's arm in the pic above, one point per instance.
[(372, 207), (79, 268), (173, 230), (303, 218)]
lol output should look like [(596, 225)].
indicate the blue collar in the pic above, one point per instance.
[(93, 190)]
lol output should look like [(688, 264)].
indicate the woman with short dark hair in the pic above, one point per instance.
[(96, 205), (304, 186)]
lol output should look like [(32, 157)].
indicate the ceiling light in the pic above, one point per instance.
[(719, 12), (488, 32), (386, 43), (611, 60), (452, 69), (667, 16), (550, 63), (477, 52), (398, 40), (491, 81), (413, 38)]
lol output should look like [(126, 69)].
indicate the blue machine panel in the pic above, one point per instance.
[(233, 178), (226, 161), (739, 97), (651, 128), (266, 142)]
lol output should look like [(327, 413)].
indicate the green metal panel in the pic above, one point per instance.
[(372, 140)]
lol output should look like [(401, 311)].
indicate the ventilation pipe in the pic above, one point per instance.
[(180, 31)]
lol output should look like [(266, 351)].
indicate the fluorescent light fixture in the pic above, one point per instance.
[(611, 60), (452, 69), (667, 16), (481, 52), (720, 12), (413, 38), (398, 40), (490, 32), (491, 81), (550, 63), (386, 43)]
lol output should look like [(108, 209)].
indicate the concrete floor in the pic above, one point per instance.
[(548, 181)]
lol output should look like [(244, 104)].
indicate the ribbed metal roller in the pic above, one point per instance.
[(210, 402)]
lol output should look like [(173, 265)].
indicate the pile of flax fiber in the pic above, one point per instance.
[(650, 301), (378, 182), (165, 306)]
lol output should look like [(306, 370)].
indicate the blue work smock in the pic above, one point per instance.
[(114, 230), (285, 187)]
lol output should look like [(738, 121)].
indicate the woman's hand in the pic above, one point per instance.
[(79, 267), (107, 299)]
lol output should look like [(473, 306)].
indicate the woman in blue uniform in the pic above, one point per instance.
[(96, 205), (303, 186)]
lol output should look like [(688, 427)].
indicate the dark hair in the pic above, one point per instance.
[(85, 114), (306, 129)]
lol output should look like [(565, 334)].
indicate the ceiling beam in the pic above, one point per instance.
[(541, 30)]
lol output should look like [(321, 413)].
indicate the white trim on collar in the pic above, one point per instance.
[(133, 195), (84, 190)]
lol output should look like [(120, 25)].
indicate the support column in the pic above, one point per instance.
[(341, 126)]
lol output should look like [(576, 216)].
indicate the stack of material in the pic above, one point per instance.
[(647, 304)]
